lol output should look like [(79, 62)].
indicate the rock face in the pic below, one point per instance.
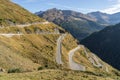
[(78, 24)]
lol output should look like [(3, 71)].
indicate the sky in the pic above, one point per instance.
[(84, 6)]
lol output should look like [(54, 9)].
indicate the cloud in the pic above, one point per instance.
[(114, 8), (118, 0)]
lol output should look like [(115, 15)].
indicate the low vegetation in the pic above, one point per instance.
[(14, 70), (56, 75)]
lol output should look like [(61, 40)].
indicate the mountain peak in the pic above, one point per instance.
[(53, 9)]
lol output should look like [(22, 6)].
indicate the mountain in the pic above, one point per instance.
[(100, 17), (40, 12), (78, 24), (115, 18), (41, 50), (106, 44), (105, 19)]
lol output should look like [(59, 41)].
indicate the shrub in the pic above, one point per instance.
[(40, 68), (116, 72), (14, 70), (46, 66)]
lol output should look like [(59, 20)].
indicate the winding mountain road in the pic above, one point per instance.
[(94, 60), (59, 49), (73, 65), (26, 25)]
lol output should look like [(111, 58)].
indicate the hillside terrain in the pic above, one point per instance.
[(106, 44), (78, 24), (11, 14), (41, 50)]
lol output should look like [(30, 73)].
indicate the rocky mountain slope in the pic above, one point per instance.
[(37, 49), (106, 44), (100, 17), (78, 24), (105, 19)]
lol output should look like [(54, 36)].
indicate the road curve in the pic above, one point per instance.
[(73, 65), (94, 60), (98, 64), (59, 49)]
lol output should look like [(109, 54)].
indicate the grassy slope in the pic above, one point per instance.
[(15, 14), (31, 29), (35, 49), (57, 75), (39, 50)]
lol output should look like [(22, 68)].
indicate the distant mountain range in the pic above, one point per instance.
[(105, 19), (78, 24), (106, 44)]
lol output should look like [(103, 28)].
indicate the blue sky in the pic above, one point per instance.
[(84, 6)]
